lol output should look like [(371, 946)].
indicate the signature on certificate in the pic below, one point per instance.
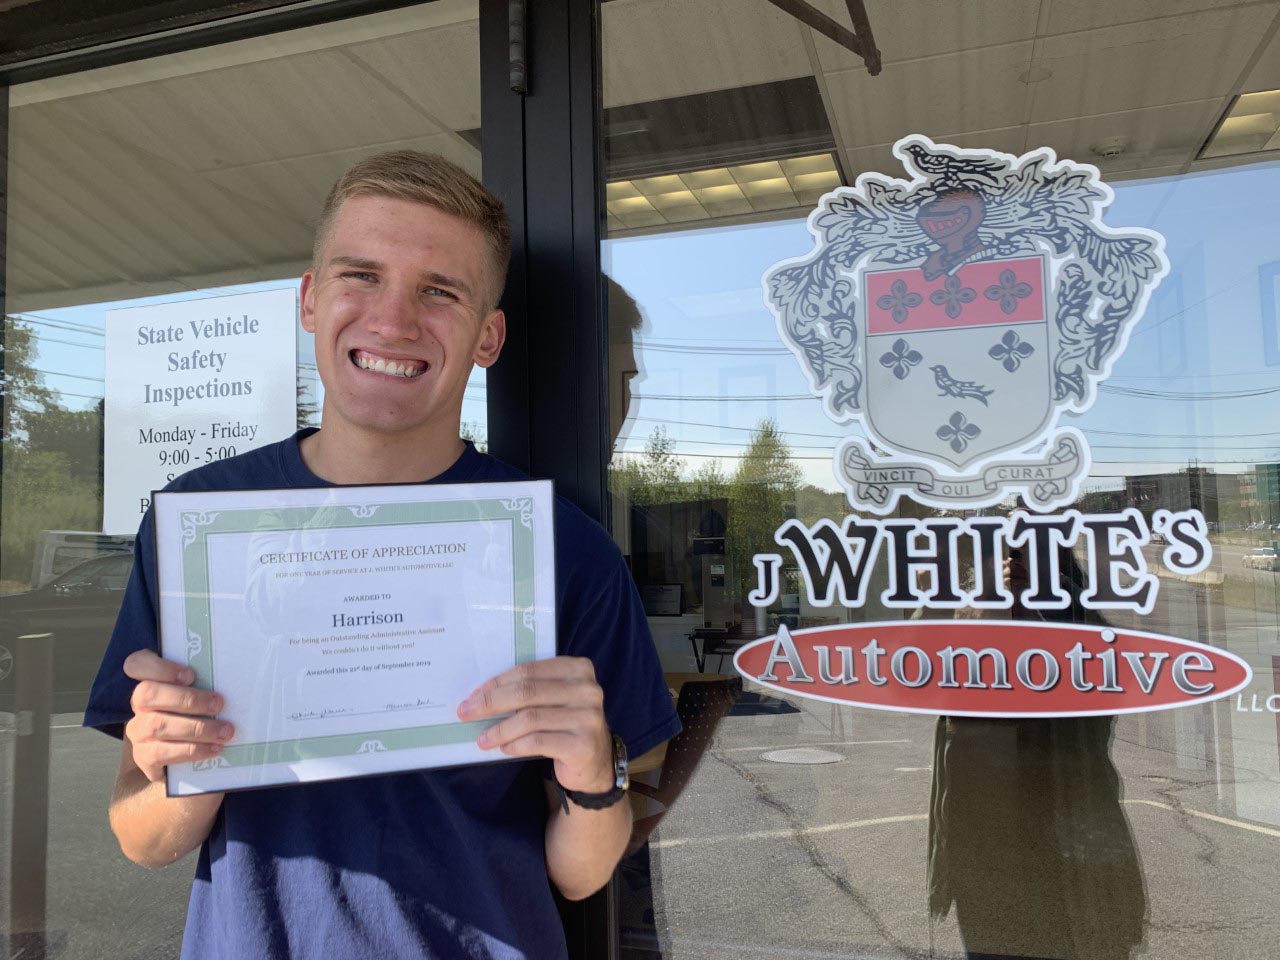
[(330, 712)]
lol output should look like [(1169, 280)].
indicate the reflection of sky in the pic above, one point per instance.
[(708, 335), (71, 356)]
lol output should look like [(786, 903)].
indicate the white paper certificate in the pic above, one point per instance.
[(344, 625)]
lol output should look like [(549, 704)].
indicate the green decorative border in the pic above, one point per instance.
[(198, 526)]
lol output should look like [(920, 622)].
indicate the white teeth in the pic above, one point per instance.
[(389, 367)]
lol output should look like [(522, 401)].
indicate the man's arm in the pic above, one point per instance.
[(171, 724), (584, 846), (557, 711)]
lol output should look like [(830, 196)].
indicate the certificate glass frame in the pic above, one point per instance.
[(343, 625)]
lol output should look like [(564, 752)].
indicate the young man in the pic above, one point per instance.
[(410, 260)]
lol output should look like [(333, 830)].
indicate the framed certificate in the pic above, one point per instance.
[(344, 625)]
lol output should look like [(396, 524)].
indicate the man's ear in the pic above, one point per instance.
[(307, 300), (493, 336)]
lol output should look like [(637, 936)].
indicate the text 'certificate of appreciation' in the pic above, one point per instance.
[(344, 625)]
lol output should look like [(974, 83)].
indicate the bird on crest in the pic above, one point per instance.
[(952, 173), (960, 389)]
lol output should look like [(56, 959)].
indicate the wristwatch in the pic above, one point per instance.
[(600, 801)]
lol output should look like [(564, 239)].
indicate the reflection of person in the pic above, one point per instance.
[(1027, 836), (409, 264)]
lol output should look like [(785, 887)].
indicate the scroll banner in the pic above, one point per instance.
[(1045, 482)]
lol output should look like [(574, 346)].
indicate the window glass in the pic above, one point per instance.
[(152, 196), (781, 823)]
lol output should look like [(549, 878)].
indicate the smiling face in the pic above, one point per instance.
[(950, 218), (399, 302)]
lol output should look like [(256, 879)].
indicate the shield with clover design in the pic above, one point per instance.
[(957, 367), (953, 317)]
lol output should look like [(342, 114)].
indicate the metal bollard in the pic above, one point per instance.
[(28, 863)]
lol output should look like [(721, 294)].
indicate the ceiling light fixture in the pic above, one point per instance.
[(1250, 125), (793, 183)]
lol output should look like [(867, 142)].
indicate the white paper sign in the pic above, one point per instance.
[(191, 383)]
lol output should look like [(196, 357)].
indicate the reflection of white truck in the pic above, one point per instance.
[(59, 550), (1262, 558)]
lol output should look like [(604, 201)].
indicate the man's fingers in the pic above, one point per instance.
[(171, 698), (172, 728), (149, 665), (540, 719), (554, 668), (151, 758), (544, 743), (560, 681)]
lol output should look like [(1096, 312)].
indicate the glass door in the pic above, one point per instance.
[(882, 277), (149, 191)]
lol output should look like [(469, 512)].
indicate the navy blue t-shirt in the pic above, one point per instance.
[(439, 864)]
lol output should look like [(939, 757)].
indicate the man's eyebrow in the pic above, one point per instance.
[(360, 263), (444, 280), (430, 276)]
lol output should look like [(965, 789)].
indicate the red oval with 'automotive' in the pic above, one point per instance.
[(992, 668)]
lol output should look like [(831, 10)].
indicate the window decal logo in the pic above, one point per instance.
[(957, 315), (983, 668)]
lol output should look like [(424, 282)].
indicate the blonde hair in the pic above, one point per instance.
[(428, 179)]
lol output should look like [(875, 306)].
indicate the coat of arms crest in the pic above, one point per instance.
[(956, 315)]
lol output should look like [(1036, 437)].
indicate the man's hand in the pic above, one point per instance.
[(171, 719), (557, 711)]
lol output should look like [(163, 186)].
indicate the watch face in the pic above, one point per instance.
[(621, 779)]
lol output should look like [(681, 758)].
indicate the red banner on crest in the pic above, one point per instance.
[(986, 293)]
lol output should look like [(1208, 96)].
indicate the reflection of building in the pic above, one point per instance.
[(1192, 488), (1267, 480), (1103, 501)]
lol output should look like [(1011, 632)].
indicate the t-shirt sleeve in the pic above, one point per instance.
[(601, 618), (108, 709)]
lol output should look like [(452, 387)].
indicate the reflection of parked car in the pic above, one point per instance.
[(1262, 558), (79, 608), (57, 551)]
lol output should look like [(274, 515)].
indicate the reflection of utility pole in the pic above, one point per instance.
[(4, 318), (29, 826), (858, 40)]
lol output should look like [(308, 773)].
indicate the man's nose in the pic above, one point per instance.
[(395, 314)]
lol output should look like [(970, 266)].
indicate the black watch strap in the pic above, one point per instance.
[(601, 801)]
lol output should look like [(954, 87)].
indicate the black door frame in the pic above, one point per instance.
[(541, 155)]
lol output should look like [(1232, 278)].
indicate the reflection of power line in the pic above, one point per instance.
[(712, 349), (36, 320), (73, 376), (1136, 392), (1193, 376), (42, 339), (1173, 436), (693, 423), (1096, 446), (1186, 395), (1205, 452), (1141, 329), (734, 350), (827, 459), (724, 398)]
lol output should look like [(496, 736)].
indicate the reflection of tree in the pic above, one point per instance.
[(474, 431), (308, 409), (52, 458), (22, 389), (761, 492), (653, 477)]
